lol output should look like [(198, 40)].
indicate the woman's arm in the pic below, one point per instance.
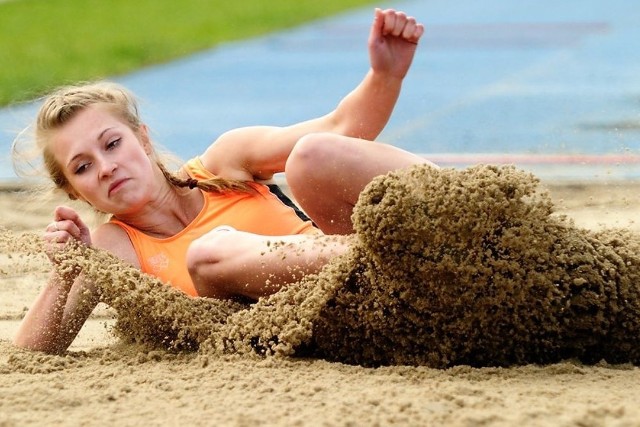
[(259, 152), (229, 263), (64, 304), (56, 316)]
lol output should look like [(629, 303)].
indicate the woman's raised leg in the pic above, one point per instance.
[(327, 172)]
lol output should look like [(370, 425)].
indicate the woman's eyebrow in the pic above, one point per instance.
[(104, 131)]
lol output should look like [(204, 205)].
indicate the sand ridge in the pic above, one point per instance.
[(449, 267), (473, 267)]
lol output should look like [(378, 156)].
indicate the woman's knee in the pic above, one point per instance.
[(311, 151), (310, 158), (205, 260)]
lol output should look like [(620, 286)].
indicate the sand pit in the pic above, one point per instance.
[(510, 314)]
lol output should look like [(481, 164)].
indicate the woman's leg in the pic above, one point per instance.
[(326, 173), (230, 263)]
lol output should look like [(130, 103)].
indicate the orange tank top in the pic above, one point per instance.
[(260, 212)]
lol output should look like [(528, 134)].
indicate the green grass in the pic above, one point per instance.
[(45, 43)]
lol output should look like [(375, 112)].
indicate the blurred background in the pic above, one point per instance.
[(553, 87)]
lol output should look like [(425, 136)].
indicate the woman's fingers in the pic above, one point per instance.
[(398, 24), (67, 226), (67, 219)]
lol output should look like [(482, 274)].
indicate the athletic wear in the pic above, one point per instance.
[(259, 212)]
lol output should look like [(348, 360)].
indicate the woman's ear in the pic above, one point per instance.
[(71, 193), (144, 139)]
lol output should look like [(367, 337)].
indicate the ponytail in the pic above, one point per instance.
[(211, 185)]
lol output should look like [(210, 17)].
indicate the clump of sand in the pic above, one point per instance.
[(472, 267), (447, 267)]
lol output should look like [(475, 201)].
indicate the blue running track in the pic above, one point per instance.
[(552, 86)]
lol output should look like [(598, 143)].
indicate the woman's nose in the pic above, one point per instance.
[(107, 168)]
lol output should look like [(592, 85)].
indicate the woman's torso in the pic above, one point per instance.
[(259, 212)]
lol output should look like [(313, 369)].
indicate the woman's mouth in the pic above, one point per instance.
[(116, 186)]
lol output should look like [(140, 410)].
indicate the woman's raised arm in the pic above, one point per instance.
[(259, 152)]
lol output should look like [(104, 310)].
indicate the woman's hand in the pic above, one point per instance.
[(67, 225), (393, 41)]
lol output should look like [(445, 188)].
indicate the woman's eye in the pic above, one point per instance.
[(81, 168), (113, 144)]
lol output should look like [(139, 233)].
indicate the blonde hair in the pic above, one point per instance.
[(62, 105)]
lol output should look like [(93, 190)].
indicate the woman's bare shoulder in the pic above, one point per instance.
[(113, 238)]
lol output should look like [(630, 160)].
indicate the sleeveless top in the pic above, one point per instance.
[(259, 212)]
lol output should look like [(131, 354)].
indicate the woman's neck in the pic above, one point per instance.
[(170, 212)]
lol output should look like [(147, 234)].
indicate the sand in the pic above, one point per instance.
[(538, 327)]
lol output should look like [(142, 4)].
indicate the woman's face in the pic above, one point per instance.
[(105, 162)]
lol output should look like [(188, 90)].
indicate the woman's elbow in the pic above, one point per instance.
[(206, 261)]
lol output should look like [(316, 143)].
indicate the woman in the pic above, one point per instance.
[(211, 229)]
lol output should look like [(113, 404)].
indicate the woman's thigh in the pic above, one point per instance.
[(327, 172)]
